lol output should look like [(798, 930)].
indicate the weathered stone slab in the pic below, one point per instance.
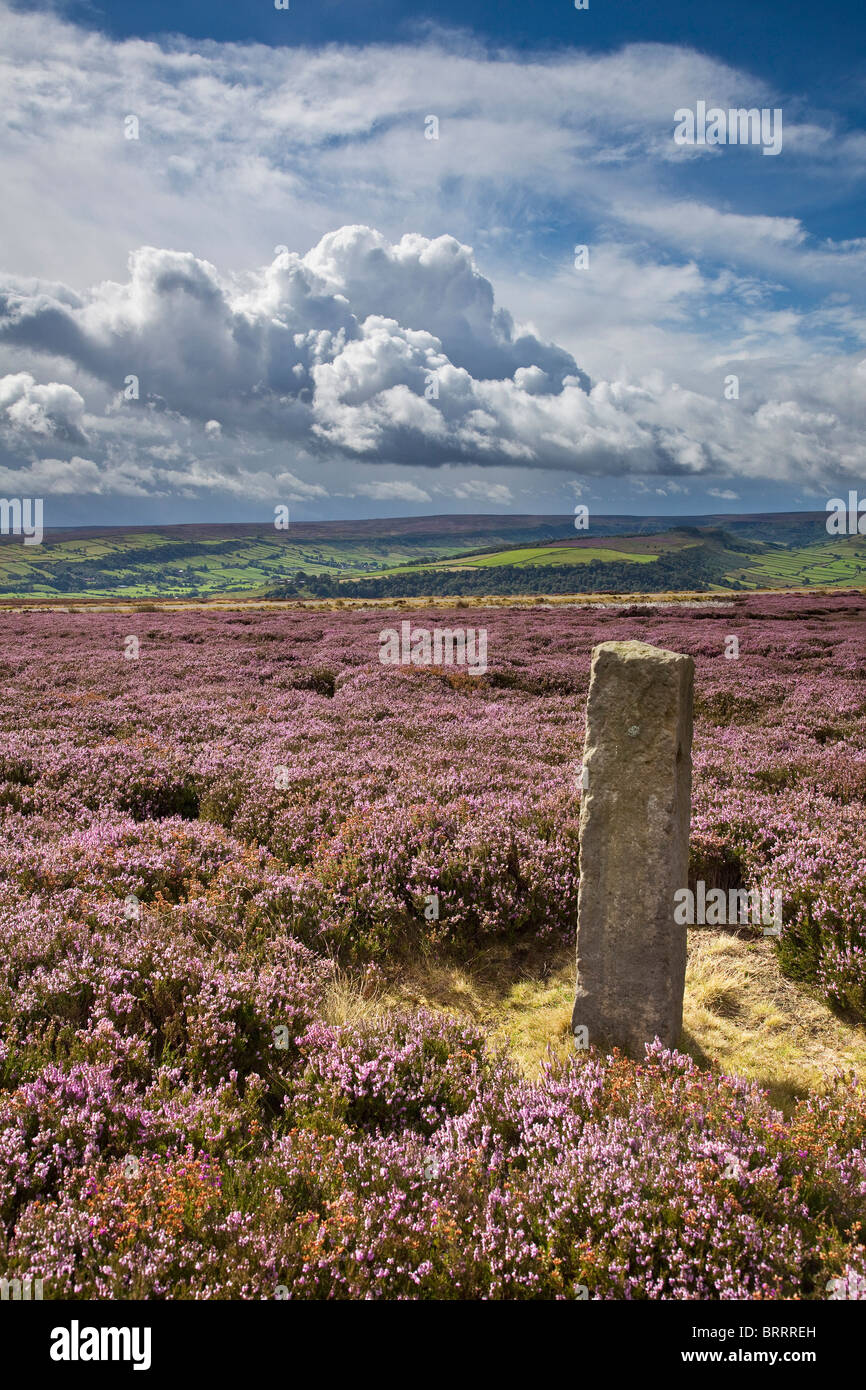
[(634, 847)]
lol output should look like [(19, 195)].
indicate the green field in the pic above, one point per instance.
[(560, 555), (136, 565), (532, 556), (841, 560), (232, 561), (637, 549)]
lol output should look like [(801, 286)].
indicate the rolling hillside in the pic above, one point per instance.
[(426, 555)]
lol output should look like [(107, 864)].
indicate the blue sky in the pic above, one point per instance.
[(800, 44), (236, 272)]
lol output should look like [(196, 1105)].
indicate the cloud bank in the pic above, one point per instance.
[(376, 356), (379, 352)]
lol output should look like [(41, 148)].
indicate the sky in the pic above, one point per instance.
[(400, 259)]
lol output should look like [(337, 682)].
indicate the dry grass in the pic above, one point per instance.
[(714, 598), (740, 1012)]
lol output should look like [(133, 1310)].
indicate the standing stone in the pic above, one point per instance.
[(634, 847)]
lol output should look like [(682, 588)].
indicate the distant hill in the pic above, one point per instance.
[(476, 554), (782, 526)]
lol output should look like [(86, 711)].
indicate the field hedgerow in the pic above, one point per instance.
[(191, 839)]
